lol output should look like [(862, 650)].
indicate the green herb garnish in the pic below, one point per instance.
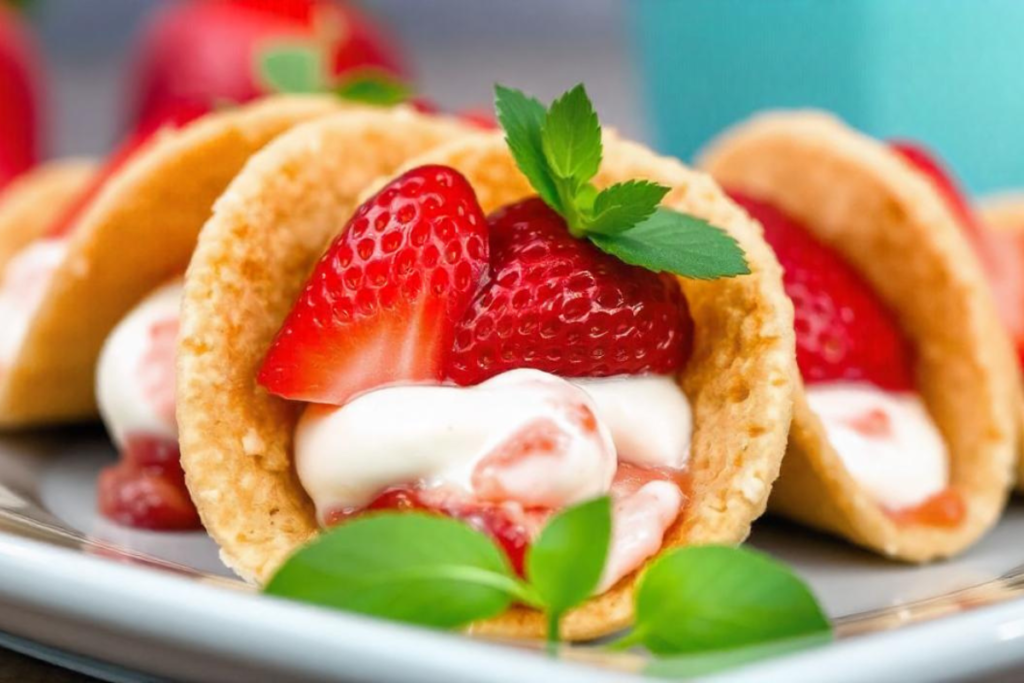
[(559, 150), (565, 563), (301, 69), (410, 567), (705, 607), (707, 598)]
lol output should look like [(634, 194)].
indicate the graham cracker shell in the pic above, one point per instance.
[(888, 222), (237, 440), (139, 232), (1005, 213), (33, 202), (254, 254)]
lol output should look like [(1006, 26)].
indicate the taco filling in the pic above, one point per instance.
[(135, 394), (557, 364), (22, 286), (857, 366)]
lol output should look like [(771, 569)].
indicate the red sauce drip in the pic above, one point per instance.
[(945, 509), (507, 525), (147, 489), (510, 525), (875, 423)]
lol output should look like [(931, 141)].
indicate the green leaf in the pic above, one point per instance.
[(571, 137), (296, 68), (417, 568), (375, 87), (677, 243), (624, 205), (522, 117), (716, 598), (705, 663), (564, 563)]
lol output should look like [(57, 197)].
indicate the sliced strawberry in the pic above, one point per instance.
[(843, 331), (382, 303), (147, 488), (559, 304), (1001, 253)]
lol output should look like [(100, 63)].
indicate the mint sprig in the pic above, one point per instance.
[(565, 563), (703, 607), (300, 69), (416, 568), (559, 150), (707, 598)]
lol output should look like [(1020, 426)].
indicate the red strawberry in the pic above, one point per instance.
[(1002, 254), (147, 488), (19, 79), (382, 303), (198, 52), (559, 304), (843, 332)]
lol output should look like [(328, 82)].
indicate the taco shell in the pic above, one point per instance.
[(31, 204), (888, 222), (138, 232), (267, 232)]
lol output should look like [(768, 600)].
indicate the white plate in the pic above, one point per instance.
[(195, 621)]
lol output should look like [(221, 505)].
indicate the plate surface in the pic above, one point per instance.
[(195, 620)]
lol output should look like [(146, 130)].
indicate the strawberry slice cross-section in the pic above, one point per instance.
[(381, 305)]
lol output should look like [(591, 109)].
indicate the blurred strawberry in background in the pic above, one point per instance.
[(201, 52), (20, 78)]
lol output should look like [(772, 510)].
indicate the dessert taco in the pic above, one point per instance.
[(436, 357), (135, 378), (134, 228), (33, 202), (904, 430)]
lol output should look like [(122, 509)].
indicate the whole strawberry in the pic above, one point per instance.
[(203, 52), (382, 303), (559, 304), (843, 332), (19, 94)]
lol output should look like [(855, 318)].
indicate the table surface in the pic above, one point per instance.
[(17, 668)]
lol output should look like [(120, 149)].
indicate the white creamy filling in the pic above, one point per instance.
[(887, 441), (135, 375), (22, 288), (525, 437)]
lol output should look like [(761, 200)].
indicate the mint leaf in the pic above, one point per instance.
[(291, 69), (373, 87), (623, 205), (677, 243), (704, 663), (571, 138), (716, 598), (522, 117), (565, 563), (410, 567)]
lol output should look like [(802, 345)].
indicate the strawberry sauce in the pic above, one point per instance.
[(945, 509), (147, 488), (511, 525)]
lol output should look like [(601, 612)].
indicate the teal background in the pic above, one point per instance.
[(949, 73)]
